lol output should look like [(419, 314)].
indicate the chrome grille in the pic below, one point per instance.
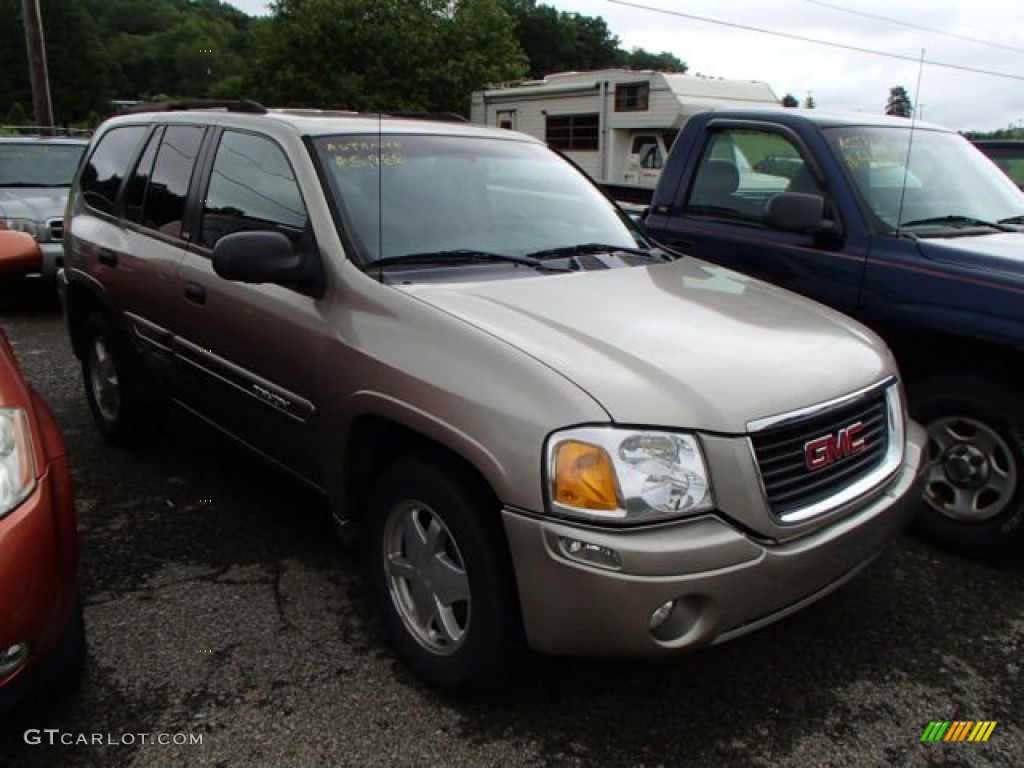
[(781, 452), (56, 229)]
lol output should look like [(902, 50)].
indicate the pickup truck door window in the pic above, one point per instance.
[(252, 349), (722, 217)]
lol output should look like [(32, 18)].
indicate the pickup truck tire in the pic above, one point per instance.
[(123, 412), (974, 494), (441, 574)]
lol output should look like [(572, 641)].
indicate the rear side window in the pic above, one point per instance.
[(164, 206), (252, 187), (102, 176)]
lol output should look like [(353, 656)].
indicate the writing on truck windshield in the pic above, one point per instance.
[(413, 194)]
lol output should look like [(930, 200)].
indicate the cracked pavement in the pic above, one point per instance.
[(218, 602)]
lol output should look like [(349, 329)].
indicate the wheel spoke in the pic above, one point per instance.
[(449, 579)]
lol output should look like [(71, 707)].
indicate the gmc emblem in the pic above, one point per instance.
[(828, 449)]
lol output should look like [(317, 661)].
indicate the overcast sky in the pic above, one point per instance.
[(979, 35)]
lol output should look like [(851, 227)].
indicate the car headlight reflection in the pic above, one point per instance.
[(626, 476), (17, 467)]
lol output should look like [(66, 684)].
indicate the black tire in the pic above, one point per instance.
[(466, 645), (125, 413), (974, 495)]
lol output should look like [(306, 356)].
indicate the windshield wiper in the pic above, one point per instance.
[(585, 248), (953, 220), (461, 256)]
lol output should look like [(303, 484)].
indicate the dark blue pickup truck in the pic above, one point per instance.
[(904, 226)]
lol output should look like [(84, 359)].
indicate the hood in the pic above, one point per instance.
[(998, 252), (37, 203), (685, 345)]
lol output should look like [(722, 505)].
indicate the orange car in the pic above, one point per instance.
[(42, 638)]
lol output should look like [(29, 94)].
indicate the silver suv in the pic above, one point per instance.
[(35, 175), (542, 429)]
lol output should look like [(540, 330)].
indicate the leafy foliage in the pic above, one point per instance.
[(790, 101), (349, 54)]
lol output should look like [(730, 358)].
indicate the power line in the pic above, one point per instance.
[(802, 39), (915, 26)]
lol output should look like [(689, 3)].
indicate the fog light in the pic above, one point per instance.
[(661, 614), (12, 658), (592, 554)]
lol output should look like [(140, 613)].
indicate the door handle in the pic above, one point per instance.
[(195, 293), (108, 257)]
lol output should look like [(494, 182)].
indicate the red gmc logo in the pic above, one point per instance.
[(828, 449)]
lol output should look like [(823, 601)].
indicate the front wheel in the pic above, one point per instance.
[(974, 494), (441, 574)]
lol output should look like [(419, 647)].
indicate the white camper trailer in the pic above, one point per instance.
[(617, 124)]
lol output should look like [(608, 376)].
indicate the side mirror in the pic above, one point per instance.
[(799, 212), (19, 254), (259, 257)]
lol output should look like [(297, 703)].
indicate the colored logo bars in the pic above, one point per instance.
[(958, 730)]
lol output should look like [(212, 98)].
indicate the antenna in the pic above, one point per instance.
[(380, 196), (910, 144)]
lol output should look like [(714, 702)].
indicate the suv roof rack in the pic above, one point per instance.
[(236, 105), (445, 117)]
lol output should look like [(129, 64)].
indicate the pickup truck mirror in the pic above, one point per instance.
[(260, 257), (798, 212)]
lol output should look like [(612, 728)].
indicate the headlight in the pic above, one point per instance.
[(20, 225), (17, 466), (626, 476)]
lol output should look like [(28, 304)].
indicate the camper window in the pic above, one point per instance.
[(632, 97)]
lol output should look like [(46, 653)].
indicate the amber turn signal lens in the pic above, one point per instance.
[(584, 477)]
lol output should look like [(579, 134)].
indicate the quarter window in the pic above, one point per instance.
[(252, 187), (572, 132), (103, 174), (164, 208)]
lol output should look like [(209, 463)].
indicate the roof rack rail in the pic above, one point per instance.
[(445, 117), (237, 105)]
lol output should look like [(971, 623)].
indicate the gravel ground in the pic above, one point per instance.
[(220, 609)]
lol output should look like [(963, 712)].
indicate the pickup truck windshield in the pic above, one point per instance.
[(414, 194), (931, 181)]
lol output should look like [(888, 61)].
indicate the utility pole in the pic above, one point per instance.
[(37, 64)]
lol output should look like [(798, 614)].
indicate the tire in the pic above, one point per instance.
[(974, 494), (124, 413), (441, 575), (75, 649)]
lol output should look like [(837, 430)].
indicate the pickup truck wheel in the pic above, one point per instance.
[(974, 494), (441, 575), (125, 415)]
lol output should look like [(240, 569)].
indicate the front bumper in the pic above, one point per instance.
[(725, 582)]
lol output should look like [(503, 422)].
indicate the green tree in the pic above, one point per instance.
[(638, 58), (557, 41), (381, 54), (77, 61), (790, 101), (899, 102)]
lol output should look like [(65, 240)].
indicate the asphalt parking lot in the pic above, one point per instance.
[(220, 609)]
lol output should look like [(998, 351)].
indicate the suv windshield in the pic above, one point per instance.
[(440, 195), (38, 164), (947, 182)]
